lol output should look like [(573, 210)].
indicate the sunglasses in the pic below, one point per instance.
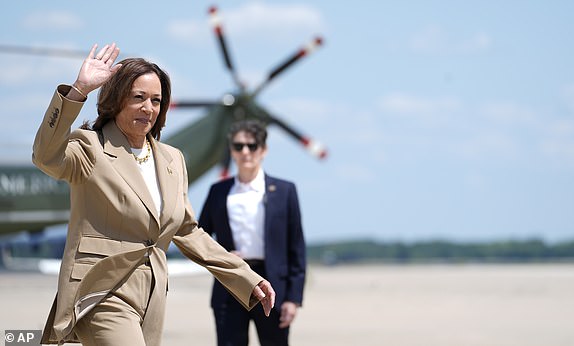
[(239, 146)]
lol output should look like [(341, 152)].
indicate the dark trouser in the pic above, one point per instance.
[(232, 322)]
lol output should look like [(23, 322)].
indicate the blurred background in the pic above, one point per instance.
[(443, 120), (449, 132)]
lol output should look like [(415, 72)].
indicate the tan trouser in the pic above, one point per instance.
[(117, 319)]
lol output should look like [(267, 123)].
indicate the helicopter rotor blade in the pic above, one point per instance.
[(60, 52), (226, 100), (315, 148), (215, 20), (305, 50), (192, 104)]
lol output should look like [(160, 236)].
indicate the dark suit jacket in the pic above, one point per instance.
[(285, 257)]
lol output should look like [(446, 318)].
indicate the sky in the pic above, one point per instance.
[(449, 120)]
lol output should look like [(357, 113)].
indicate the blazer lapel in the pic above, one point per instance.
[(116, 145), (168, 175), (268, 203), (224, 234)]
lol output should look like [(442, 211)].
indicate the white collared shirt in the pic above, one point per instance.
[(246, 216)]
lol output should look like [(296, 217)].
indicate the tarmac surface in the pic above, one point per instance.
[(466, 304)]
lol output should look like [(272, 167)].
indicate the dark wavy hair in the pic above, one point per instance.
[(251, 126), (113, 94)]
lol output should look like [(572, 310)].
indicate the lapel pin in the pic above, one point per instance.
[(169, 170), (272, 188)]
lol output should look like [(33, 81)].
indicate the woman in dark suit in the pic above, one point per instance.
[(257, 217), (128, 202)]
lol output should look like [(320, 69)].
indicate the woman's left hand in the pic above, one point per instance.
[(266, 295)]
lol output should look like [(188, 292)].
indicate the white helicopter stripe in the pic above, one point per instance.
[(34, 216)]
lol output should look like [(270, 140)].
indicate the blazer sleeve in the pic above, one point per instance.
[(53, 152), (233, 273)]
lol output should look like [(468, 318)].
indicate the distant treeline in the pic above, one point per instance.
[(437, 250), (533, 250)]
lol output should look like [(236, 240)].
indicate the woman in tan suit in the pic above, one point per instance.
[(128, 202)]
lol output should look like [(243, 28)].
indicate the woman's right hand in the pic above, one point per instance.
[(97, 68)]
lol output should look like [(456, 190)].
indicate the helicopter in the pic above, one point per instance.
[(31, 200)]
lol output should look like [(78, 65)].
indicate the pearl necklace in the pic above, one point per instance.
[(146, 157)]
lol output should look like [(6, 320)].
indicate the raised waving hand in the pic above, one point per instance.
[(96, 69)]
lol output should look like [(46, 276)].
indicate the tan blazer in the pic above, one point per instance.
[(114, 226)]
